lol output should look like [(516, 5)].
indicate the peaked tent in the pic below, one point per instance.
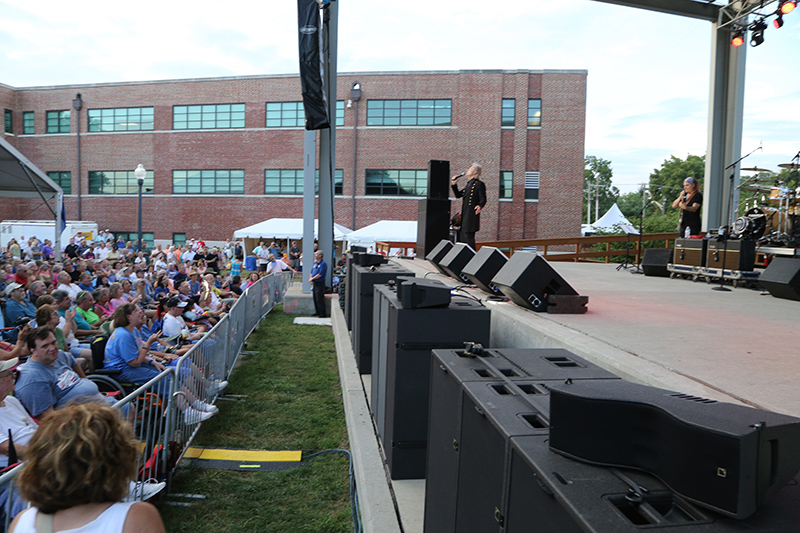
[(612, 218), (281, 228), (385, 231)]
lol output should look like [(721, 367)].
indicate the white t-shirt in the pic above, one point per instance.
[(173, 325), (112, 520), (14, 417)]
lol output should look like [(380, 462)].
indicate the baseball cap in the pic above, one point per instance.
[(13, 287), (7, 365)]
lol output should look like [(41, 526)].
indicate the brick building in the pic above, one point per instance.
[(225, 153)]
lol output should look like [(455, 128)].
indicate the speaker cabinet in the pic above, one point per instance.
[(438, 179), (433, 223), (740, 255), (438, 253), (782, 278), (363, 281), (456, 259), (528, 279), (401, 370), (480, 270), (724, 457), (655, 260)]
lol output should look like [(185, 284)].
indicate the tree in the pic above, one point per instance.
[(668, 180), (597, 186), (630, 203)]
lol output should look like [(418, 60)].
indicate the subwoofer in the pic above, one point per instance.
[(726, 457), (529, 280), (782, 278)]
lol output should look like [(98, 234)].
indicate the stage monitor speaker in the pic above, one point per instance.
[(419, 293), (433, 224), (436, 255), (483, 267), (728, 458), (438, 179), (655, 260), (782, 278), (528, 279), (367, 259), (456, 259), (356, 248)]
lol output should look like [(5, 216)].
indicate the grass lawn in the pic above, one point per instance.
[(294, 402)]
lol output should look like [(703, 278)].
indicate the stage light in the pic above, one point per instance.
[(778, 22), (758, 27), (787, 6), (738, 39)]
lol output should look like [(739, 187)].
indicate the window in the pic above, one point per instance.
[(118, 182), (9, 116), (534, 113), (121, 119), (208, 117), (132, 236), (409, 112), (58, 121), (506, 182), (291, 181), (396, 182), (292, 114), (507, 112), (62, 179), (208, 182), (531, 185), (27, 123), (179, 238)]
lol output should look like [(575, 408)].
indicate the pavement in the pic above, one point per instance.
[(741, 346)]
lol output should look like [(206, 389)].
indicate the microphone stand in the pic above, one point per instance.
[(639, 253), (724, 236)]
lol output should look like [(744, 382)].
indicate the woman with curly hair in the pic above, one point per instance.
[(79, 465)]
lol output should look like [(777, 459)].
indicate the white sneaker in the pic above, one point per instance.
[(193, 416), (140, 491), (215, 387), (205, 407)]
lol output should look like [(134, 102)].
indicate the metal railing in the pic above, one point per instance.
[(164, 411)]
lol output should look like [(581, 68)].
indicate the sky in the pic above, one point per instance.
[(648, 73)]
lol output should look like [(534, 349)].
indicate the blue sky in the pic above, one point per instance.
[(648, 73)]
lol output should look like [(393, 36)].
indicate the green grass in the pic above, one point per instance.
[(294, 403)]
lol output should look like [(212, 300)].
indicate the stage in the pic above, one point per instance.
[(739, 346)]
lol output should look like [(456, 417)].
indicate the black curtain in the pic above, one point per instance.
[(315, 104)]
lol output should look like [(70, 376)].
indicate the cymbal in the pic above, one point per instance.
[(756, 169), (790, 166)]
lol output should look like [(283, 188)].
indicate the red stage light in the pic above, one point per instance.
[(787, 7), (738, 40), (778, 22)]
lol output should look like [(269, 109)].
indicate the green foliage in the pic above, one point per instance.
[(597, 181), (668, 180), (293, 402), (630, 203)]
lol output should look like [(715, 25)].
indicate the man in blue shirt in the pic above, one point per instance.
[(16, 307), (317, 278)]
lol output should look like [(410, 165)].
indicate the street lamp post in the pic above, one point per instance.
[(140, 173)]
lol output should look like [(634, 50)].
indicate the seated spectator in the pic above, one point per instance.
[(115, 295), (235, 286), (13, 415), (173, 320), (85, 281), (46, 274), (126, 286), (18, 349), (252, 279), (65, 284), (17, 307), (52, 378), (85, 307), (83, 328), (194, 283), (101, 299), (162, 289), (38, 288), (80, 464), (47, 315)]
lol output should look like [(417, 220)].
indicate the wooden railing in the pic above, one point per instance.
[(581, 247)]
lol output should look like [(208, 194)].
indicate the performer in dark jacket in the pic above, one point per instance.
[(473, 197)]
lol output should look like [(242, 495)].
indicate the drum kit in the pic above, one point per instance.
[(773, 212)]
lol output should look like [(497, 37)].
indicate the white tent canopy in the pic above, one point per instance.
[(282, 228), (612, 221), (384, 231)]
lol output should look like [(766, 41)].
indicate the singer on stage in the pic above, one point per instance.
[(689, 202), (473, 197)]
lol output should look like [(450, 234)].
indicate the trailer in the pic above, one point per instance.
[(45, 229)]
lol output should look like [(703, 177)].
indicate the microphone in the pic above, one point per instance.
[(461, 175)]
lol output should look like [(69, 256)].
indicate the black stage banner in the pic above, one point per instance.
[(311, 68)]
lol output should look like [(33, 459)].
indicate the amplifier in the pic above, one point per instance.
[(690, 252), (740, 255)]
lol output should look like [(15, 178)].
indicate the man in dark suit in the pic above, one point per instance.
[(473, 198)]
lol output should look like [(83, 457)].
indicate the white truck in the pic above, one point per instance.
[(44, 229)]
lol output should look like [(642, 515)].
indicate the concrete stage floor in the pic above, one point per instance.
[(738, 346)]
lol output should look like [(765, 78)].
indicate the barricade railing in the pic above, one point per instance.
[(164, 412)]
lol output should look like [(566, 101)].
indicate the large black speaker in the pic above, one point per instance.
[(362, 282), (528, 279), (438, 253), (782, 278), (725, 457), (532, 369), (433, 224), (456, 259), (551, 493), (438, 179), (401, 370), (655, 260), (480, 270)]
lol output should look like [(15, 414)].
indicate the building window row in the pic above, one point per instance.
[(409, 112), (208, 182), (58, 121), (214, 116), (396, 182), (121, 119), (118, 182), (508, 112), (131, 236), (63, 179), (290, 181)]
